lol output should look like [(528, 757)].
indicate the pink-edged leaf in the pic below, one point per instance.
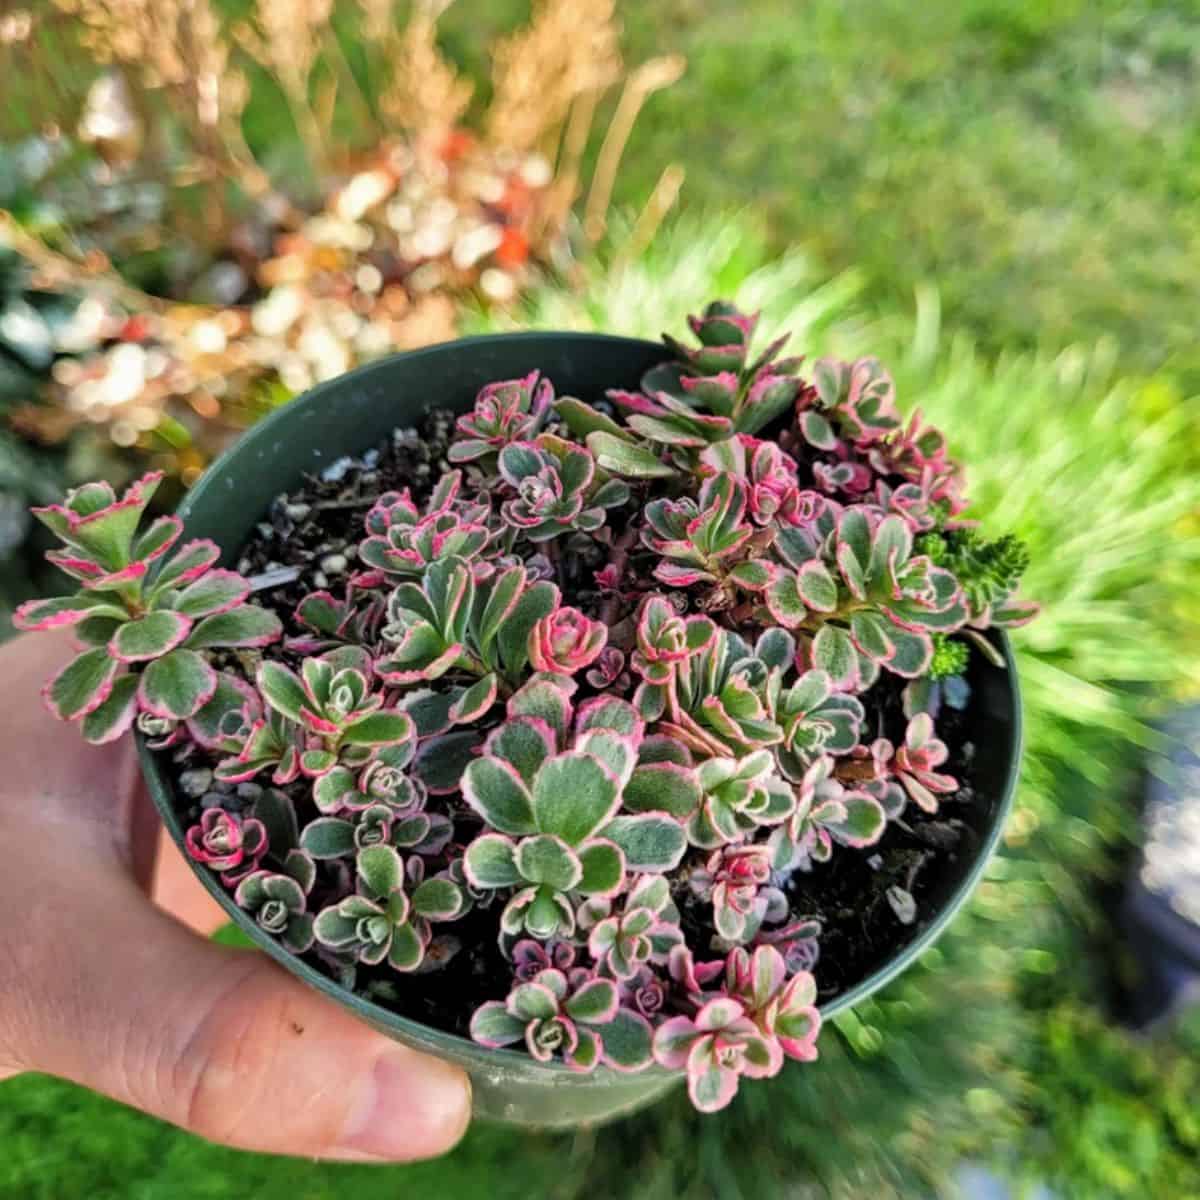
[(573, 796), (628, 1042), (663, 787), (246, 625), (61, 611), (603, 866), (589, 1050), (498, 794), (652, 841), (755, 575), (492, 1025), (490, 862), (115, 716), (177, 685), (718, 1013), (784, 601), (189, 562), (595, 1003), (673, 1041), (282, 689), (711, 1087), (149, 637), (82, 685), (213, 592), (817, 587), (158, 537), (834, 653), (475, 701)]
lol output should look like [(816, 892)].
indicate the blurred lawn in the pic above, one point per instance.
[(1029, 170)]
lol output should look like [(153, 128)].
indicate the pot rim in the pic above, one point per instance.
[(275, 424)]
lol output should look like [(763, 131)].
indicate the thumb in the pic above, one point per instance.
[(111, 993)]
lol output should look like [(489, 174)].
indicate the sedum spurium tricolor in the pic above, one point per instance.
[(621, 775)]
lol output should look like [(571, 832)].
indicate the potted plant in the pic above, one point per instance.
[(603, 726)]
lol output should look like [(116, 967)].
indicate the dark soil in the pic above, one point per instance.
[(869, 903)]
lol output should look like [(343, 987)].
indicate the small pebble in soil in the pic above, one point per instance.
[(195, 782), (903, 905)]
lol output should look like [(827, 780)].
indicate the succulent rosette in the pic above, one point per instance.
[(599, 702)]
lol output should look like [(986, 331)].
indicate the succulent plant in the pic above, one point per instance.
[(916, 761), (875, 603), (278, 903), (739, 795), (605, 685), (716, 1046), (645, 931), (140, 606), (389, 916), (552, 1018), (402, 541), (512, 410), (565, 641), (451, 622), (715, 390), (782, 1003), (825, 812), (227, 843), (555, 489), (736, 881)]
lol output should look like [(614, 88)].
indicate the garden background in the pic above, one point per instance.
[(997, 197)]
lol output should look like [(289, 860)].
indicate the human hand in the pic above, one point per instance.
[(100, 987)]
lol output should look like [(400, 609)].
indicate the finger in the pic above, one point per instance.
[(107, 991)]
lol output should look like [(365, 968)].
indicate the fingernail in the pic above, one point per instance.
[(410, 1106)]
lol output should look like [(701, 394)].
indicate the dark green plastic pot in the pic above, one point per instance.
[(359, 410)]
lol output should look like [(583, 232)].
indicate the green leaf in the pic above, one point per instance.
[(582, 419), (594, 1003), (407, 950), (149, 637), (502, 595), (213, 592), (438, 900), (627, 1041), (547, 859), (246, 625), (603, 868), (623, 457), (573, 796), (663, 787), (475, 701), (754, 575), (441, 761), (493, 1025), (381, 870), (817, 587), (282, 689), (650, 842), (496, 792), (379, 729), (523, 745), (328, 837), (112, 718), (535, 603), (177, 685), (834, 652), (278, 815), (490, 862), (784, 601), (82, 685)]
